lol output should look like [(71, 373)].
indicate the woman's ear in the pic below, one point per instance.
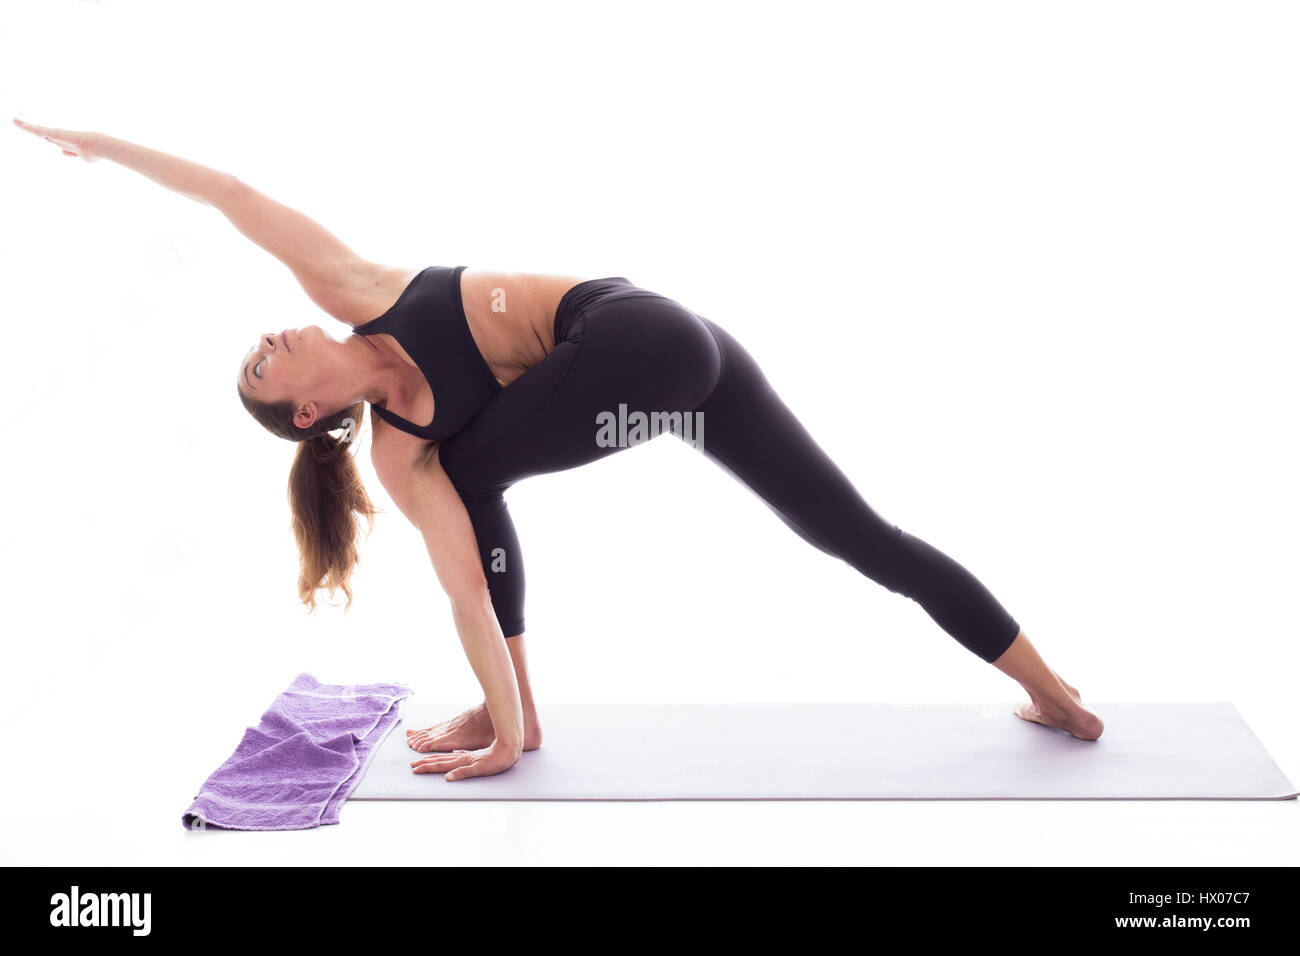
[(306, 415)]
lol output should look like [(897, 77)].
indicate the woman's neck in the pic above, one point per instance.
[(372, 371)]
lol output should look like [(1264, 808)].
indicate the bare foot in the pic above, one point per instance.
[(1073, 693), (471, 730), (1075, 720)]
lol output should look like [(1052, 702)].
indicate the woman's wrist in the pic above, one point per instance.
[(102, 144), (509, 744), (113, 149), (509, 733)]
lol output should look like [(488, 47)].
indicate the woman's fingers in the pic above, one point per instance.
[(42, 131), (71, 143), (478, 767), (485, 763), (440, 763), (460, 764), (47, 132), (441, 757)]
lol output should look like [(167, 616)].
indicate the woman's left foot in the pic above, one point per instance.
[(1077, 721)]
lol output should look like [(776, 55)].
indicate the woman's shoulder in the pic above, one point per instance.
[(392, 450), (374, 289)]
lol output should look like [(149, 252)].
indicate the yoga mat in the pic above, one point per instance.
[(850, 751)]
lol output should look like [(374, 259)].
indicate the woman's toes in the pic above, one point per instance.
[(1027, 711), (1077, 722)]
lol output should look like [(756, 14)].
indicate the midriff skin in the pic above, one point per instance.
[(511, 317)]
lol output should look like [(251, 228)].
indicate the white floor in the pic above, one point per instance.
[(147, 831)]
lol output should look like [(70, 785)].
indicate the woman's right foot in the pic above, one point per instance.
[(471, 730)]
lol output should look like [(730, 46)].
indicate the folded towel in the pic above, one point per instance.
[(296, 767)]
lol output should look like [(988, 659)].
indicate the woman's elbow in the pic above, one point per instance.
[(468, 597)]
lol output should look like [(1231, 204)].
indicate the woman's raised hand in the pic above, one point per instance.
[(72, 142), (460, 764)]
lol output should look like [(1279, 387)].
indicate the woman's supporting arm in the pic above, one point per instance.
[(426, 495)]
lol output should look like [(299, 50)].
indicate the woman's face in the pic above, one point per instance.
[(282, 366)]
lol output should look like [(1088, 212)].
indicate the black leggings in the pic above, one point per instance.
[(620, 345)]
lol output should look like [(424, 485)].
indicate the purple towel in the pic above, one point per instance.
[(296, 767)]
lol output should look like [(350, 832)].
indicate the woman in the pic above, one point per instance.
[(519, 375)]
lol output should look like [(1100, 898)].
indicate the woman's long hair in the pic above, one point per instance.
[(326, 495)]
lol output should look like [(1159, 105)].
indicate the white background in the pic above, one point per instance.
[(1026, 270)]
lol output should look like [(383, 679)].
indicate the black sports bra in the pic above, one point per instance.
[(428, 321)]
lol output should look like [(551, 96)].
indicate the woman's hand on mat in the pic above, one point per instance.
[(72, 142), (460, 764)]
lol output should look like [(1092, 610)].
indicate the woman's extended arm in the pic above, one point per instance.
[(425, 494), (349, 288)]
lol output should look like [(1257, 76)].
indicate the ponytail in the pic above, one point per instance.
[(326, 496), (328, 500)]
